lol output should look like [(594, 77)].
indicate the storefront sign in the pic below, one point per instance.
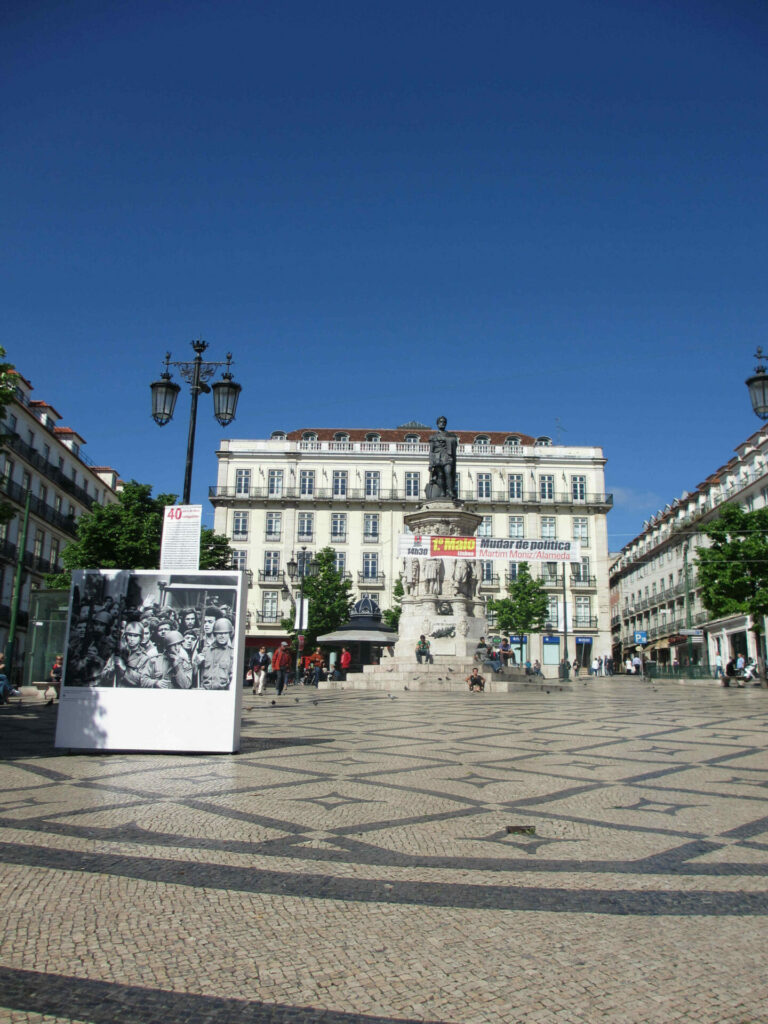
[(551, 639)]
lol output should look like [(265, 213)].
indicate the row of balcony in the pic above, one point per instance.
[(278, 578), (308, 537), (49, 425), (409, 448), (272, 618), (265, 493), (662, 596), (490, 582), (12, 490), (48, 470), (35, 563), (669, 626)]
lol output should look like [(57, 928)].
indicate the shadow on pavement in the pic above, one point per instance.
[(102, 1002)]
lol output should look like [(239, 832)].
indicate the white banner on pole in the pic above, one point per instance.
[(180, 549), (302, 613)]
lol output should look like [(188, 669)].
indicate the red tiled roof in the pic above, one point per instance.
[(69, 432), (40, 404)]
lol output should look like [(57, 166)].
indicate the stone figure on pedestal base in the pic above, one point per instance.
[(411, 575), (464, 579), (432, 575)]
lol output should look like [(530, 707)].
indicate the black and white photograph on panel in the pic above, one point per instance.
[(148, 630), (138, 642)]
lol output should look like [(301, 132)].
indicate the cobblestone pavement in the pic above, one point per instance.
[(353, 863)]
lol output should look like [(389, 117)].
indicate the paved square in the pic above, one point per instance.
[(353, 863)]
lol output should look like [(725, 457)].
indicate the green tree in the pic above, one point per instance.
[(392, 615), (215, 552), (127, 535), (526, 609), (329, 600), (733, 571)]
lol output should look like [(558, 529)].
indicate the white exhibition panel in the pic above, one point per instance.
[(113, 697), (158, 720)]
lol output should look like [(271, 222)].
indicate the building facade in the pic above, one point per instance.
[(654, 583), (349, 489), (42, 461)]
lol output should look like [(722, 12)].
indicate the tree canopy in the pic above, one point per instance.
[(392, 615), (526, 609), (733, 570), (127, 535), (329, 599)]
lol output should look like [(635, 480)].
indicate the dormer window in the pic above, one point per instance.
[(374, 438), (309, 435), (512, 440), (482, 439), (412, 438), (278, 435), (544, 442), (341, 435)]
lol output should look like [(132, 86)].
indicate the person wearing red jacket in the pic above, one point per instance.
[(281, 664), (345, 660)]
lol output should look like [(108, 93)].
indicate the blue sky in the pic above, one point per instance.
[(512, 214)]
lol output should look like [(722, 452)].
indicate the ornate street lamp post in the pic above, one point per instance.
[(299, 569), (758, 386), (165, 392)]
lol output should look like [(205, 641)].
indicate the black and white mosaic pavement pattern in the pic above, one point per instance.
[(353, 863)]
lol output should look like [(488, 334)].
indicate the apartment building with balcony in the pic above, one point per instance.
[(654, 583), (349, 489), (44, 461)]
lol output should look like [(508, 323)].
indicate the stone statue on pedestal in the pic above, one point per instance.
[(442, 463)]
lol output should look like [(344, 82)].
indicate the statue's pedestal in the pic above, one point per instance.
[(442, 607)]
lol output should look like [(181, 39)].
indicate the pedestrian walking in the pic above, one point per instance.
[(281, 664), (259, 668)]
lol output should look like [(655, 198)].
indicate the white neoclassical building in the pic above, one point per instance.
[(296, 492), (654, 584)]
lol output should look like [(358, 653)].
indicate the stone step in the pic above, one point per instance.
[(450, 667), (454, 683)]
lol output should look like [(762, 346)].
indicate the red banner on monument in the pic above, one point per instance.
[(453, 547)]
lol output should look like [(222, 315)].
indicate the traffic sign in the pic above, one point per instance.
[(641, 636)]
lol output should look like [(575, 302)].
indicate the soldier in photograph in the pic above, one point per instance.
[(172, 670), (132, 665), (215, 663)]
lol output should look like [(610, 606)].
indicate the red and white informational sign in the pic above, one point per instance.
[(513, 549), (180, 550)]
